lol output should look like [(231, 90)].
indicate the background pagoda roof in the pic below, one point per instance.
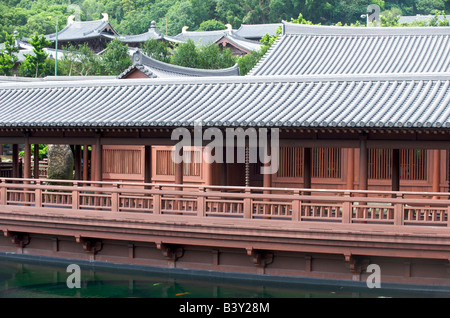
[(152, 34), (312, 49), (257, 31), (157, 69), (207, 37), (83, 30)]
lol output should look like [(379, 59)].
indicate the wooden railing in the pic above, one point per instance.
[(297, 205)]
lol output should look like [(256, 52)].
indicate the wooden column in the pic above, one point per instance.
[(98, 173), (77, 162), (36, 162), (350, 168), (85, 162), (436, 171), (395, 170), (363, 164), (27, 159), (307, 168), (15, 160), (267, 177), (148, 164)]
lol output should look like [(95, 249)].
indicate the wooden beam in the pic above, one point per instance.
[(363, 164), (436, 171), (148, 164), (36, 162), (27, 160), (98, 173), (395, 170), (307, 167)]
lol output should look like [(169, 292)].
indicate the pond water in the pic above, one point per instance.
[(36, 279)]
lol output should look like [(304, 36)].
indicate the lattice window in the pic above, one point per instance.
[(413, 164), (165, 165), (290, 162), (120, 161), (326, 162)]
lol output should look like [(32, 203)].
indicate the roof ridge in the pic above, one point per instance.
[(234, 80), (290, 28)]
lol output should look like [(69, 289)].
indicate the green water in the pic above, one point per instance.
[(25, 279)]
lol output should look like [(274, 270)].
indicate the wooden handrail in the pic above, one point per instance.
[(345, 206)]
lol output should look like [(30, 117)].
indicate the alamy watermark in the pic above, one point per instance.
[(374, 279), (251, 145), (74, 279)]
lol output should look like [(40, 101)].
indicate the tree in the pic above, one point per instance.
[(7, 55), (430, 6), (116, 58), (79, 61), (158, 50), (186, 54), (211, 25), (37, 64)]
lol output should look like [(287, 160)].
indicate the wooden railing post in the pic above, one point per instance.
[(115, 198), (247, 205), (448, 216), (347, 209), (75, 197), (3, 193), (398, 211), (38, 195), (296, 207), (201, 203), (157, 200)]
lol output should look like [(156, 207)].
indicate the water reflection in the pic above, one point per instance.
[(34, 280)]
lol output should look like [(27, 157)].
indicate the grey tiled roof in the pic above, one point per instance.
[(82, 30), (365, 101), (207, 37), (311, 49), (256, 31), (152, 34), (412, 18), (154, 68)]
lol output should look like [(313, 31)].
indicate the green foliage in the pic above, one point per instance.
[(79, 61), (204, 57), (115, 59), (37, 64), (7, 57), (158, 50), (211, 25), (42, 151)]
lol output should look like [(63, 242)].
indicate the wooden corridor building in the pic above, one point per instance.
[(348, 134)]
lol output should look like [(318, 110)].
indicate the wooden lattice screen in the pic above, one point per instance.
[(413, 164), (326, 162), (166, 167), (122, 161)]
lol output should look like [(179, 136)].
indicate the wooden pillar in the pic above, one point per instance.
[(307, 168), (436, 171), (395, 170), (36, 162), (85, 162), (15, 160), (363, 164), (148, 164), (98, 173), (350, 168), (267, 177), (77, 162), (27, 159)]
